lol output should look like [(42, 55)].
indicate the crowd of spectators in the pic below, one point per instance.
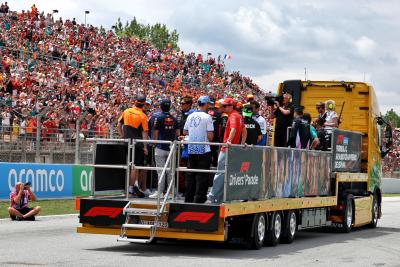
[(391, 163), (73, 68)]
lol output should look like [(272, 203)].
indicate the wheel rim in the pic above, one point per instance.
[(277, 226), (292, 224), (349, 215), (261, 228), (375, 211)]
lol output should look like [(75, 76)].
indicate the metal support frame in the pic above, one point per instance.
[(77, 140), (38, 132)]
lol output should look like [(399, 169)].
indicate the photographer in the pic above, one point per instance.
[(19, 199), (283, 112)]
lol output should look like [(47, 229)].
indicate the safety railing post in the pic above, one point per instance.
[(128, 169), (178, 164), (173, 168), (78, 139), (226, 173), (38, 133)]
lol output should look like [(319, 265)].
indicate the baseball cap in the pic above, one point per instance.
[(239, 105), (247, 110), (165, 104), (140, 98), (149, 101), (228, 102), (186, 100), (205, 99)]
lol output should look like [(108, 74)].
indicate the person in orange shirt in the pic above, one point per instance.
[(133, 124)]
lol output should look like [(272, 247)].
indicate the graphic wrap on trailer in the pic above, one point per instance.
[(269, 172)]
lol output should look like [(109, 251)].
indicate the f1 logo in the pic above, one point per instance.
[(111, 212), (245, 166), (201, 217), (339, 140)]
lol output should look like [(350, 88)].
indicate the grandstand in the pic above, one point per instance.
[(65, 70)]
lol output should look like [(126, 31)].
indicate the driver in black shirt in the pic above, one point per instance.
[(254, 134)]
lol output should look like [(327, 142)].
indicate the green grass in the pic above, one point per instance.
[(49, 207), (391, 195)]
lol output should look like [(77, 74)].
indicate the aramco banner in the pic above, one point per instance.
[(47, 180)]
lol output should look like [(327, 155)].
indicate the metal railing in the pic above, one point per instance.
[(289, 173), (49, 145)]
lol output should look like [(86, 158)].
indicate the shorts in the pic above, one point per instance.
[(23, 211), (139, 156)]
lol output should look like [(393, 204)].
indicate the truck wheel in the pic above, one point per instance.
[(256, 236), (348, 215), (274, 233), (375, 212), (290, 226)]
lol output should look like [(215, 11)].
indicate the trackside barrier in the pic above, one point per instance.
[(48, 180)]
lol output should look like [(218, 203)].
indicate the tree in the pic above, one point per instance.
[(394, 119), (158, 34)]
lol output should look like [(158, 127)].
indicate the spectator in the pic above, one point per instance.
[(199, 127), (19, 203)]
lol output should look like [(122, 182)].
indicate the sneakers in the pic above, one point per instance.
[(155, 195), (147, 192), (139, 193), (19, 218)]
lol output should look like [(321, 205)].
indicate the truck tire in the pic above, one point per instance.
[(348, 214), (375, 212), (289, 227), (256, 236), (275, 229)]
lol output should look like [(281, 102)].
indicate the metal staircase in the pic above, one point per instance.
[(132, 214)]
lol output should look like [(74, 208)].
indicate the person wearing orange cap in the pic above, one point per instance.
[(235, 133)]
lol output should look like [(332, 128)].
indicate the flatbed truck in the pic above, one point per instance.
[(269, 193)]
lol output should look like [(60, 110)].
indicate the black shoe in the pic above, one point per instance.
[(139, 193), (19, 218)]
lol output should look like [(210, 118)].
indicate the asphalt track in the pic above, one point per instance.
[(53, 241)]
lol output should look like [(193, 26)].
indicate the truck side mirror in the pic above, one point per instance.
[(388, 136)]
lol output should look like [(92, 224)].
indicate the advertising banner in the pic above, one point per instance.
[(346, 150), (290, 173), (47, 180), (244, 173), (82, 177)]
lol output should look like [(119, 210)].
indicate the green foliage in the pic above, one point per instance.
[(158, 34), (393, 117)]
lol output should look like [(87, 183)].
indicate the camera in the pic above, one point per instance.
[(272, 99)]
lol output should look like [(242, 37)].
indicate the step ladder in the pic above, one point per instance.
[(130, 214), (160, 210)]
